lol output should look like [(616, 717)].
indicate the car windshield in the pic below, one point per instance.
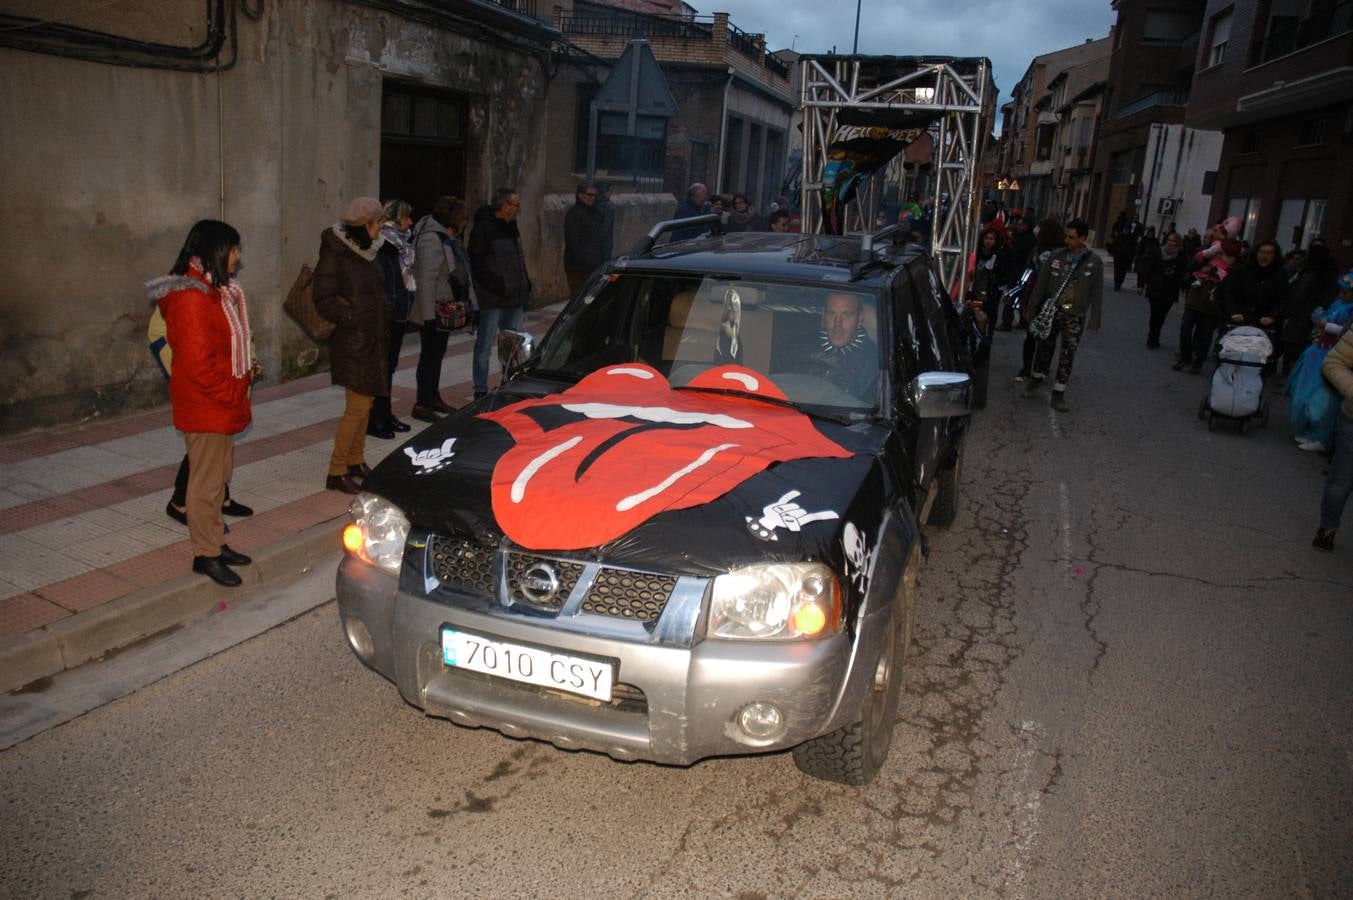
[(819, 344)]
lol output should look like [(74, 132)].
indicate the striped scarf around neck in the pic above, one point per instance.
[(237, 317)]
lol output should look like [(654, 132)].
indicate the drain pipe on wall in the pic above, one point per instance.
[(220, 136), (723, 130)]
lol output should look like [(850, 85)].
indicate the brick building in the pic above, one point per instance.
[(1155, 45), (734, 101), (1032, 136), (1276, 76)]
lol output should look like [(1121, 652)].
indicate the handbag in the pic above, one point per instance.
[(300, 305), (451, 314)]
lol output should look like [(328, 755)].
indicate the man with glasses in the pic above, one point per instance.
[(501, 283), (582, 237)]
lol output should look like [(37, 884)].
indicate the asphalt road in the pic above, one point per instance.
[(1131, 677)]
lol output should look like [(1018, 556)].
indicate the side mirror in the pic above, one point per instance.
[(939, 395), (514, 349)]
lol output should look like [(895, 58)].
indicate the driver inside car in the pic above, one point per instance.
[(844, 354)]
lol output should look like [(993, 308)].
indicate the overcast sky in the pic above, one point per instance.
[(1008, 32)]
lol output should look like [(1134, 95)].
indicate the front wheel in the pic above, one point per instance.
[(945, 509), (854, 754)]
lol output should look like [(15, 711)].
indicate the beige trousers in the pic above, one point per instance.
[(211, 457), (350, 442)]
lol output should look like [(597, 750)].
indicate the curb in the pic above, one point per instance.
[(70, 642)]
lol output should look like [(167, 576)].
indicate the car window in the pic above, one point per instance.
[(818, 344), (908, 328), (937, 350), (594, 332)]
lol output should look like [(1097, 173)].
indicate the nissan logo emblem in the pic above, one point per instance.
[(539, 583)]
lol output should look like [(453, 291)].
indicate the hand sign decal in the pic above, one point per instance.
[(785, 513), (428, 461)]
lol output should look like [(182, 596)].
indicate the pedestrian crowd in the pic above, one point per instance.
[(1047, 278), (381, 275)]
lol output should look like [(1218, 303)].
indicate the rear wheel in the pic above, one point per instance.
[(1263, 415), (1202, 408), (1211, 423), (1244, 425), (854, 754)]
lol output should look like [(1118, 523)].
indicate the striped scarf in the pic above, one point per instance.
[(237, 317)]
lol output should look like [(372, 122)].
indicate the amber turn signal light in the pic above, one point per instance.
[(353, 539)]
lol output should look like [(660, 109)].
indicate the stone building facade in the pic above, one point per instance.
[(112, 157)]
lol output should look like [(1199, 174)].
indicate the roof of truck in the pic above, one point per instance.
[(800, 257)]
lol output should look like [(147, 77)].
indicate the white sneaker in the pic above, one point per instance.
[(1313, 446)]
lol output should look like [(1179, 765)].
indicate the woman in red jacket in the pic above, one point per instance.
[(207, 327)]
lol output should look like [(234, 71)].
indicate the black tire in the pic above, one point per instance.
[(1202, 408), (1244, 425), (945, 508), (1263, 415), (1211, 423), (854, 754), (981, 378)]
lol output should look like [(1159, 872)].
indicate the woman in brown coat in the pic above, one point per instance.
[(350, 292)]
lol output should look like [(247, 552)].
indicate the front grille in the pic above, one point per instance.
[(629, 595), (520, 566), (461, 563)]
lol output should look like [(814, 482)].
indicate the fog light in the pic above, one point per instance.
[(360, 639), (762, 721)]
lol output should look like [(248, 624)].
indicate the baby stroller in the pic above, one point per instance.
[(1237, 388)]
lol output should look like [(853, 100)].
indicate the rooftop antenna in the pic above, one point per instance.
[(856, 49)]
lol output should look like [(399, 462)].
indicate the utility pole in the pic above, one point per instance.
[(856, 48)]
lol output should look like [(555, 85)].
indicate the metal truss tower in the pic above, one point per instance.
[(956, 95)]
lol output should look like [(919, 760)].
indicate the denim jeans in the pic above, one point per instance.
[(1340, 482), (486, 339)]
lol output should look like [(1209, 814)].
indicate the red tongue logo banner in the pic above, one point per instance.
[(629, 447)]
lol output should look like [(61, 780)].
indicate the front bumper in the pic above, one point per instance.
[(677, 698)]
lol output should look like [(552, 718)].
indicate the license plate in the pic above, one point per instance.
[(530, 665)]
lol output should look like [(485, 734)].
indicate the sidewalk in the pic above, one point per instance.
[(93, 564)]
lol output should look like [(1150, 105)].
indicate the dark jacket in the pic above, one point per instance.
[(497, 261), (350, 292), (582, 238), (688, 210), (1018, 253), (1255, 292), (396, 294), (1083, 276), (1316, 285), (607, 227), (1162, 276)]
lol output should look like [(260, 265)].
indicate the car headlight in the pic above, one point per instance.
[(781, 601), (377, 531)]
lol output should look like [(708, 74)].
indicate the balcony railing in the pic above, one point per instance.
[(1314, 28), (589, 21), (629, 24), (743, 42), (1159, 98), (525, 7)]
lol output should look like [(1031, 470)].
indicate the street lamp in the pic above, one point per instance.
[(856, 49)]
